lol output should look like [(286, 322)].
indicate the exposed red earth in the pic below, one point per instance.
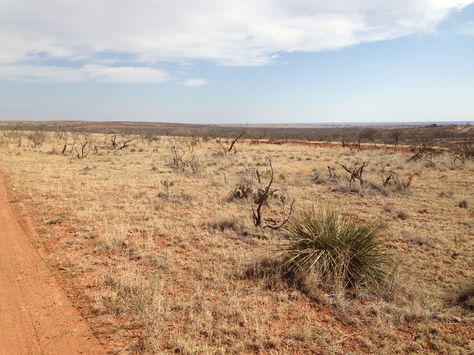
[(36, 317)]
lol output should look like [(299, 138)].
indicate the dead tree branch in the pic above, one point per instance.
[(332, 174), (126, 143), (232, 144), (82, 153), (285, 220), (261, 199), (355, 172)]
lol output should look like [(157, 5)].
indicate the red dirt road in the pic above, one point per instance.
[(36, 317)]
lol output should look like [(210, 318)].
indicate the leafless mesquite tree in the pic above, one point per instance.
[(180, 159), (83, 151), (16, 135), (261, 199), (332, 174), (232, 143), (37, 137), (64, 137), (425, 156), (391, 178), (122, 145), (356, 172)]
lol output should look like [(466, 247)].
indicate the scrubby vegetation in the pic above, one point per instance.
[(339, 251), (160, 243), (459, 138), (465, 297)]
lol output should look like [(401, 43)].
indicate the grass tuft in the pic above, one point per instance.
[(341, 251)]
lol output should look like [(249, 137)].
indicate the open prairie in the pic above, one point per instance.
[(171, 244)]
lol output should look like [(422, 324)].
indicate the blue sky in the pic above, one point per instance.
[(257, 62)]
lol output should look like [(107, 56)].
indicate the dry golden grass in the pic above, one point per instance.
[(157, 255)]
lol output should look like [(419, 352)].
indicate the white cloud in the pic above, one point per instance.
[(134, 75), (147, 32), (195, 82), (92, 72)]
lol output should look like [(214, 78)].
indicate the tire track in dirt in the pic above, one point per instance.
[(36, 317)]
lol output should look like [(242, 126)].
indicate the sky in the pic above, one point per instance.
[(246, 61)]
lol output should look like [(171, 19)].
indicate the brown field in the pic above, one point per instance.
[(158, 252)]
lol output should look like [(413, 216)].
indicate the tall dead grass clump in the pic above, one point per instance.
[(132, 294)]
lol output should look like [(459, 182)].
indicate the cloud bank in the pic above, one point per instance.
[(195, 82), (126, 41)]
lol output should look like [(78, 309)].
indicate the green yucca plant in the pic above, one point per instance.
[(340, 251)]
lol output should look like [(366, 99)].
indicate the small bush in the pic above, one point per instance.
[(38, 138), (181, 159), (466, 298), (54, 221), (392, 181), (402, 215), (225, 223), (340, 251), (167, 185), (242, 192), (317, 177), (463, 204)]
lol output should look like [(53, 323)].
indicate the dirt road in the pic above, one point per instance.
[(36, 317)]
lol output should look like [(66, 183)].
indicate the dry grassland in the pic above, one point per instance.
[(156, 255)]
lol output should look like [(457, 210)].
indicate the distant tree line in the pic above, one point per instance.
[(427, 135)]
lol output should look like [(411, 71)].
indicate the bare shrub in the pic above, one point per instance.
[(37, 138), (332, 176), (393, 181), (63, 136), (126, 143), (462, 152), (260, 199), (84, 147), (356, 172), (191, 143), (403, 184), (167, 184), (180, 159), (317, 178), (463, 204), (243, 191), (194, 164), (15, 135), (386, 177), (465, 298), (177, 157), (119, 145), (425, 156), (402, 215), (232, 143), (74, 139), (148, 137), (352, 146)]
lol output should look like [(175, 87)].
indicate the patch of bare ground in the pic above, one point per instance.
[(36, 316), (154, 241)]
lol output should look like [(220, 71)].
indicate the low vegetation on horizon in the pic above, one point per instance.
[(205, 244)]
